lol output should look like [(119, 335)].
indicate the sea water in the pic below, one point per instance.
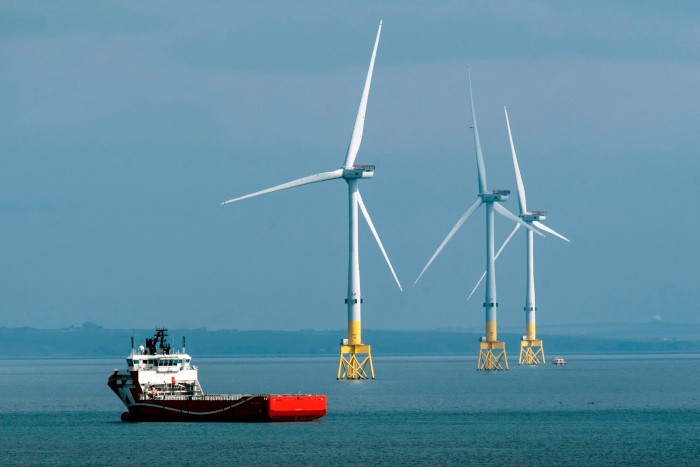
[(596, 410)]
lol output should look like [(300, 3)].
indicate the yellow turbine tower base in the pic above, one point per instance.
[(531, 352), (351, 367), (492, 356)]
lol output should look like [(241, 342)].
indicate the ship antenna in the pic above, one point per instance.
[(183, 344), (132, 343)]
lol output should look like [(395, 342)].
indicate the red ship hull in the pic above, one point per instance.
[(213, 408), (221, 408)]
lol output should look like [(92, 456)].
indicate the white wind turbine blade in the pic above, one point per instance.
[(356, 138), (479, 155), (518, 177), (506, 213), (302, 181), (376, 237), (541, 226), (515, 229), (461, 221)]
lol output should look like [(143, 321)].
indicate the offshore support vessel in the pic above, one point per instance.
[(161, 385)]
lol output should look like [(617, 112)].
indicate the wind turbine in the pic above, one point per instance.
[(531, 349), (349, 365), (492, 352)]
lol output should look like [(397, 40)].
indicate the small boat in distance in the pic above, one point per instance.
[(559, 361), (161, 385)]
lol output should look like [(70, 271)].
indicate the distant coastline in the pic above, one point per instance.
[(91, 340)]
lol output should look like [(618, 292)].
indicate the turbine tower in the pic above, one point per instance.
[(531, 349), (355, 356), (492, 352)]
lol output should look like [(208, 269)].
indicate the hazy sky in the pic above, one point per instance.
[(123, 125)]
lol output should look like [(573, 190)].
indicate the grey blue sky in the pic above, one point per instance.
[(123, 125)]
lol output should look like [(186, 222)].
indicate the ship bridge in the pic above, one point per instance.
[(158, 356), (159, 363)]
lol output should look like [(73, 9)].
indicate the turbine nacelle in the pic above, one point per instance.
[(358, 171), (495, 195), (534, 216)]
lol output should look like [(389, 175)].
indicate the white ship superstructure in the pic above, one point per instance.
[(155, 372)]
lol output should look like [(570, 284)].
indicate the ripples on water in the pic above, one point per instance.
[(597, 410)]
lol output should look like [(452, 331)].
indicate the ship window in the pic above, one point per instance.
[(129, 362), (136, 362)]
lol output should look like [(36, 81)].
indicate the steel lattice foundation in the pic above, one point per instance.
[(351, 367), (531, 352), (492, 356)]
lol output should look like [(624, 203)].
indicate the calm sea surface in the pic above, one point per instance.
[(597, 410)]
